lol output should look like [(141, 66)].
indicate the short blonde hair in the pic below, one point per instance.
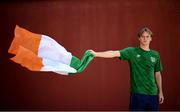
[(145, 29)]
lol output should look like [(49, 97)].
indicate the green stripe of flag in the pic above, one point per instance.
[(80, 65)]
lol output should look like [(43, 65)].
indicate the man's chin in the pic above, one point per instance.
[(145, 44)]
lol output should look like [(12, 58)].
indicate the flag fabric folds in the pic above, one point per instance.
[(38, 52)]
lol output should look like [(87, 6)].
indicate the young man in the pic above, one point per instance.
[(145, 67)]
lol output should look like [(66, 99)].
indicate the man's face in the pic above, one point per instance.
[(145, 39)]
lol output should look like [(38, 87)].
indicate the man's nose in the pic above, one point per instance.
[(145, 37)]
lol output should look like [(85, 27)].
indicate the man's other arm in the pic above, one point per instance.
[(159, 84)]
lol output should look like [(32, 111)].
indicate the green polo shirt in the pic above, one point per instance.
[(143, 65)]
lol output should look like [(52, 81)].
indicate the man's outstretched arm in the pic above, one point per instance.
[(106, 54)]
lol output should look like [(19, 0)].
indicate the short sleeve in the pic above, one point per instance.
[(125, 53), (158, 66)]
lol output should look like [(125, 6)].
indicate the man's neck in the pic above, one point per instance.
[(145, 47)]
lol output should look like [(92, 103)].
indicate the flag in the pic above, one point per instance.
[(38, 52)]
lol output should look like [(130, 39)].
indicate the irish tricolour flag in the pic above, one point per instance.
[(38, 52)]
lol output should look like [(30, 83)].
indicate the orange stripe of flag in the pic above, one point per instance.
[(28, 59), (26, 39)]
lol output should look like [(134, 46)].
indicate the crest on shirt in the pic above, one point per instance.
[(153, 59), (138, 56)]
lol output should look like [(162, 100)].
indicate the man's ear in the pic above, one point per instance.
[(151, 38)]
